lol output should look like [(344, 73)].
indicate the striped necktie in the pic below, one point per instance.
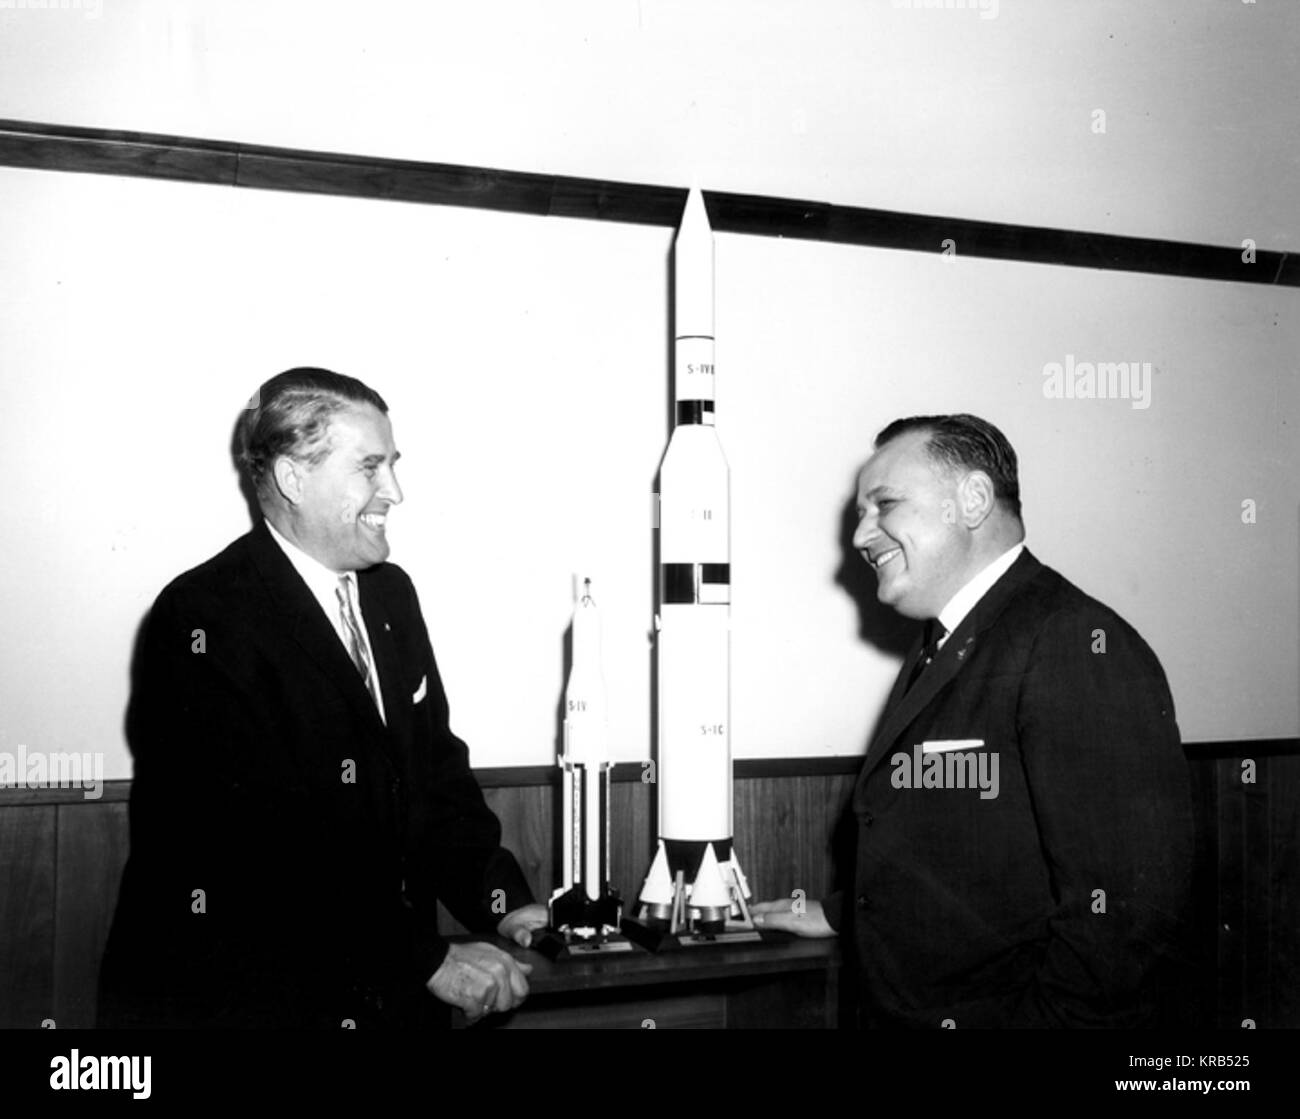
[(352, 630)]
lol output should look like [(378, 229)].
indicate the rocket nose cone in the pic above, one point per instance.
[(695, 217), (693, 272)]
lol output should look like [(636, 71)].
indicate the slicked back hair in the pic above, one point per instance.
[(965, 442), (290, 415)]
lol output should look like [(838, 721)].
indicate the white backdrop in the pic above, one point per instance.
[(526, 364)]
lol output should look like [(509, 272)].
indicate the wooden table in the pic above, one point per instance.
[(783, 983)]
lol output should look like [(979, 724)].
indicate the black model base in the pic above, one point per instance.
[(557, 945), (656, 936), (582, 927), (573, 910)]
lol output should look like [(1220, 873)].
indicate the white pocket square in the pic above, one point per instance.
[(943, 745), (422, 690)]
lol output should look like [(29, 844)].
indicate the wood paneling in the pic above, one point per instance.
[(27, 921), (1255, 866), (61, 859), (1230, 808), (1283, 891), (631, 807), (785, 828), (1190, 991), (529, 828), (92, 851)]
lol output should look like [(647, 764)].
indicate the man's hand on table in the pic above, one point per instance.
[(519, 924), (803, 918), (480, 979)]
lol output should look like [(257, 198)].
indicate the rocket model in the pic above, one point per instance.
[(585, 908), (695, 883)]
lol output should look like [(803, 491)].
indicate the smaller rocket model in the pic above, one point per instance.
[(585, 911)]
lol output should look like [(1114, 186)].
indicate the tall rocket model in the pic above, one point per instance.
[(585, 910), (695, 882)]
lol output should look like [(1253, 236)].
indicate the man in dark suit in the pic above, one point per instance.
[(300, 803), (1023, 814)]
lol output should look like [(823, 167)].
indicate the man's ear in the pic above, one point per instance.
[(288, 479), (976, 499)]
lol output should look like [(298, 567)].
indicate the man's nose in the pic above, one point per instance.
[(865, 530), (389, 490)]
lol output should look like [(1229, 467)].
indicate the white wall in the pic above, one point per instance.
[(525, 361), (852, 101), (821, 346)]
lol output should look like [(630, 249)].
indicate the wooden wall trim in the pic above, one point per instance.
[(113, 791), (1241, 748), (53, 147), (539, 776)]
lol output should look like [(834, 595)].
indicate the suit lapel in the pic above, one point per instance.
[(904, 706), (392, 681), (313, 632)]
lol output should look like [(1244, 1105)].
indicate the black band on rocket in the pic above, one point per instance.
[(685, 854), (693, 411), (682, 582)]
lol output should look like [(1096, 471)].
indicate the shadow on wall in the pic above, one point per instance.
[(878, 625), (885, 630), (245, 483)]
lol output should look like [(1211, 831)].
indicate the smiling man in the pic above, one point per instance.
[(300, 804), (1053, 895)]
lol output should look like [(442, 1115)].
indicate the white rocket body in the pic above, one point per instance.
[(694, 640)]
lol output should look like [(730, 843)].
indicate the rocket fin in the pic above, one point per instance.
[(658, 888), (710, 889), (741, 882)]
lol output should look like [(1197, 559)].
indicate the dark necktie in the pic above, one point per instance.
[(934, 633)]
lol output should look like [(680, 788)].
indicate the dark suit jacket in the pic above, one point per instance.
[(1052, 903), (320, 838)]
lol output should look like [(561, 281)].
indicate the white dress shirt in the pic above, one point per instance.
[(963, 602), (323, 584)]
